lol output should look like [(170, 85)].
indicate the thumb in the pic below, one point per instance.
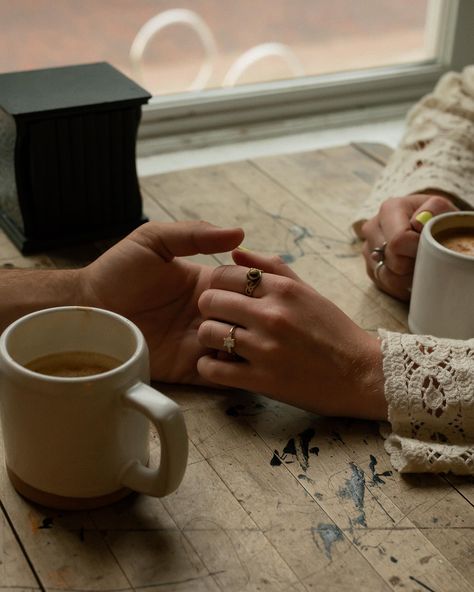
[(176, 239), (433, 206), (270, 264)]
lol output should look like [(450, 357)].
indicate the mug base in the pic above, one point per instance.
[(59, 502)]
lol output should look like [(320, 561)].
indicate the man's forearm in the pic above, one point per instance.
[(24, 291)]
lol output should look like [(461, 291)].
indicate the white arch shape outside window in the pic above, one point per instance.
[(172, 17), (260, 52)]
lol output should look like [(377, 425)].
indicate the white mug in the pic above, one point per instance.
[(442, 298), (83, 441)]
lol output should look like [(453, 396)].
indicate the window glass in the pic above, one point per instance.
[(210, 43)]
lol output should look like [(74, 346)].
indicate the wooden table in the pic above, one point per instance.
[(274, 498)]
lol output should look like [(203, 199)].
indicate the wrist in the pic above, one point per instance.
[(24, 291), (371, 400)]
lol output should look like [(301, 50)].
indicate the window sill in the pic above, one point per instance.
[(209, 149)]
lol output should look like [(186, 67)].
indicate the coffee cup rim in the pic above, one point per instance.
[(428, 233), (26, 372)]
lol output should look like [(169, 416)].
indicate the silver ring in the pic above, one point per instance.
[(377, 269), (379, 251), (229, 340)]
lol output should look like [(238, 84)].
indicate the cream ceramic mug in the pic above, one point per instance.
[(77, 442), (442, 298)]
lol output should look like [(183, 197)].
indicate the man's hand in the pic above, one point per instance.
[(398, 224), (143, 279)]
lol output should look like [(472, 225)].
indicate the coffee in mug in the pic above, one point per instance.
[(73, 364), (460, 240), (442, 296), (76, 407)]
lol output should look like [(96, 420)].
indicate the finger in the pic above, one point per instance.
[(396, 285), (271, 264), (402, 240), (212, 334), (234, 279), (394, 217), (400, 252), (169, 240), (234, 374), (229, 307), (432, 206), (372, 232)]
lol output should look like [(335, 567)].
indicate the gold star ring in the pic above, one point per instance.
[(229, 340)]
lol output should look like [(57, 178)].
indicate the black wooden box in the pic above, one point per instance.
[(67, 155)]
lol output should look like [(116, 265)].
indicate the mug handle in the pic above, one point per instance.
[(168, 419)]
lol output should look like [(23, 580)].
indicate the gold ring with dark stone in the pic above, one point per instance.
[(254, 277)]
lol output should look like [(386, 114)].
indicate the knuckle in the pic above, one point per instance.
[(270, 348), (368, 225), (206, 300), (276, 261), (285, 287), (205, 332), (276, 320), (387, 205), (441, 204), (400, 265), (397, 242)]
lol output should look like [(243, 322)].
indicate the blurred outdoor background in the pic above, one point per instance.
[(322, 36)]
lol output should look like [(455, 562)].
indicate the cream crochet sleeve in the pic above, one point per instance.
[(437, 149), (429, 382), (429, 387)]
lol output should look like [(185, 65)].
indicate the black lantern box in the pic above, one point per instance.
[(67, 155)]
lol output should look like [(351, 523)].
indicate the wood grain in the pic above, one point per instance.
[(274, 498)]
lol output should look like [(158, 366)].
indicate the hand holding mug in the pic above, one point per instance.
[(391, 239)]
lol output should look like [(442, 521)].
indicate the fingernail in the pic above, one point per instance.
[(241, 248), (424, 217)]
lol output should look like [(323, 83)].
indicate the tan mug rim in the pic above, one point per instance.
[(25, 372)]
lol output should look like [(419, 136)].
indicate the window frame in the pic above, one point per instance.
[(202, 118)]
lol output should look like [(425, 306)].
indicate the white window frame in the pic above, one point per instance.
[(202, 118)]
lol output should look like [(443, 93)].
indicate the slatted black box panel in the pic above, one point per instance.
[(75, 171)]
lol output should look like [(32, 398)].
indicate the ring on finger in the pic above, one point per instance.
[(378, 253), (229, 340), (377, 270), (254, 277)]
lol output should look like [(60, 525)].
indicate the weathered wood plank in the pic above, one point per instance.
[(274, 498), (275, 222), (348, 485), (15, 573)]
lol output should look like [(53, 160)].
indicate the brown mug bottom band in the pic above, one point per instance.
[(59, 502)]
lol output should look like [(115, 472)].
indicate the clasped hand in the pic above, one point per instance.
[(290, 342)]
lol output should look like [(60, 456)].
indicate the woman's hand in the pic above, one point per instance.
[(398, 225), (291, 343)]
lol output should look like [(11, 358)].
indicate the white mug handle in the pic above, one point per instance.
[(168, 419)]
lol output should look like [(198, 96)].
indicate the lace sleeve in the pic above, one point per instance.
[(437, 149), (429, 387)]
